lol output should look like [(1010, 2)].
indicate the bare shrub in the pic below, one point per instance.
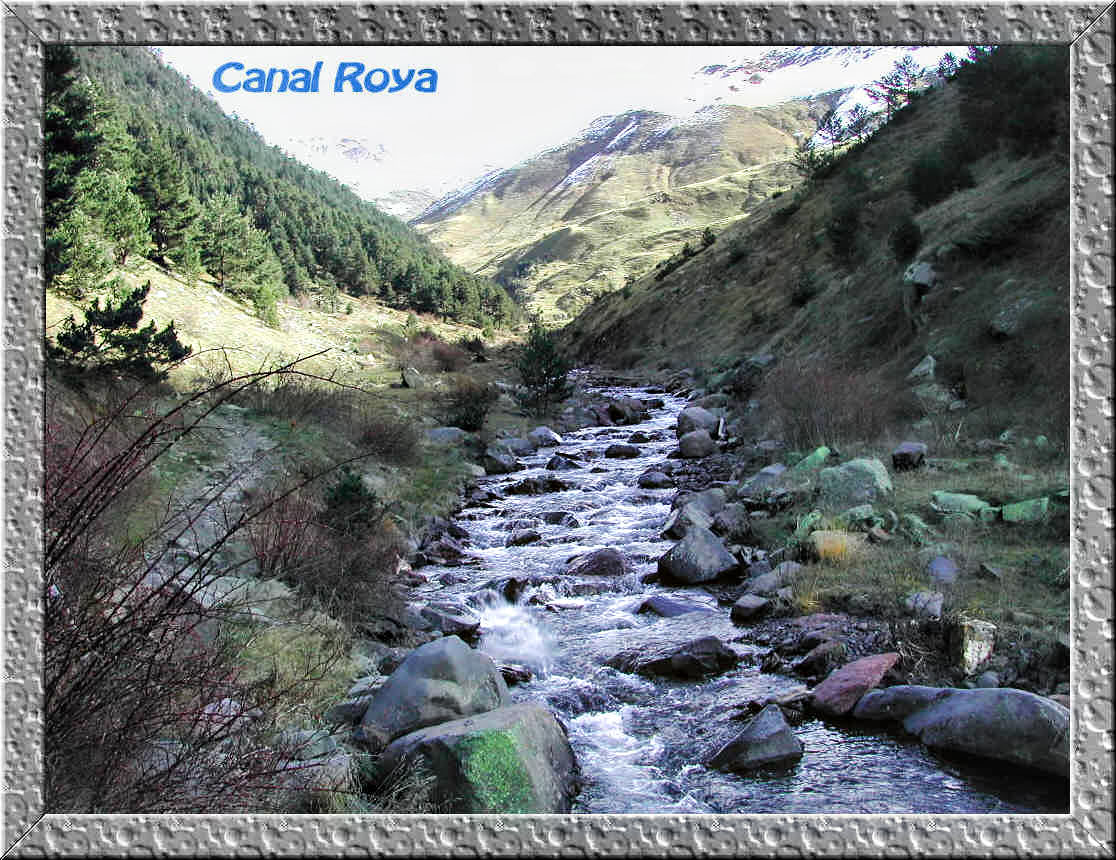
[(146, 707), (815, 404), (391, 438), (468, 403), (448, 357)]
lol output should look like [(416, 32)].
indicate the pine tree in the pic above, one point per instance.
[(110, 340), (171, 208)]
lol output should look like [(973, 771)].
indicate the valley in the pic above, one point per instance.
[(685, 467)]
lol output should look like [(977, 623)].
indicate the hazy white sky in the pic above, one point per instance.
[(494, 105)]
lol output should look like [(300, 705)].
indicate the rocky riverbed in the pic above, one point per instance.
[(605, 579)]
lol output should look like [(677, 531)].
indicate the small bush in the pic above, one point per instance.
[(449, 358), (389, 438), (806, 287), (475, 346), (843, 230), (905, 239), (933, 178), (468, 404), (708, 237)]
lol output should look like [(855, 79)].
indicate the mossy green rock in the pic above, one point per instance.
[(511, 760), (959, 503), (1029, 511), (812, 461), (856, 482)]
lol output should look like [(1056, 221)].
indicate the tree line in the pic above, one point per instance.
[(159, 171)]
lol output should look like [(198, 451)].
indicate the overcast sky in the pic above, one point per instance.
[(494, 105)]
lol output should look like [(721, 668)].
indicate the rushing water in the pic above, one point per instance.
[(641, 742)]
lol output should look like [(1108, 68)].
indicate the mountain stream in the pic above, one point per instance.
[(642, 742)]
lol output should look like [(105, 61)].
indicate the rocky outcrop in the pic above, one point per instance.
[(442, 680), (765, 741), (514, 759)]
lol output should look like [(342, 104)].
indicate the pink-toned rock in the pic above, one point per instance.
[(842, 689)]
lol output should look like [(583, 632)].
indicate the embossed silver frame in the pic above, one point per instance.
[(1086, 831)]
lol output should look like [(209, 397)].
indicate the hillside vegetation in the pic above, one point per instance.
[(591, 215), (142, 164), (943, 234)]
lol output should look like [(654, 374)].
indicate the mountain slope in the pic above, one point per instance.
[(322, 234), (578, 219), (814, 278)]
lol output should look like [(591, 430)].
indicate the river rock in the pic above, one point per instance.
[(899, 702), (682, 520), (957, 503), (733, 523), (669, 607), (515, 759), (698, 557), (536, 486), (853, 483), (639, 438), (560, 518), (821, 658), (439, 681), (843, 688), (706, 655), (514, 673), (544, 437), (696, 444), (708, 501), (695, 418), (626, 410), (621, 451), (452, 623), (498, 461), (522, 537), (909, 455), (1006, 724), (769, 477), (768, 583), (558, 463), (765, 741), (748, 607), (517, 445), (654, 480), (602, 562)]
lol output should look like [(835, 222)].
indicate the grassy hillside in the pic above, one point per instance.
[(586, 217), (812, 277)]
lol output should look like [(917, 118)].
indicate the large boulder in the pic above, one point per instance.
[(765, 741), (654, 480), (560, 463), (854, 483), (682, 520), (544, 437), (748, 607), (899, 702), (621, 451), (439, 681), (600, 562), (696, 444), (843, 688), (519, 446), (1006, 724), (670, 607), (695, 418), (698, 557), (500, 461), (446, 435), (767, 478), (627, 410), (706, 655), (908, 455), (516, 759)]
